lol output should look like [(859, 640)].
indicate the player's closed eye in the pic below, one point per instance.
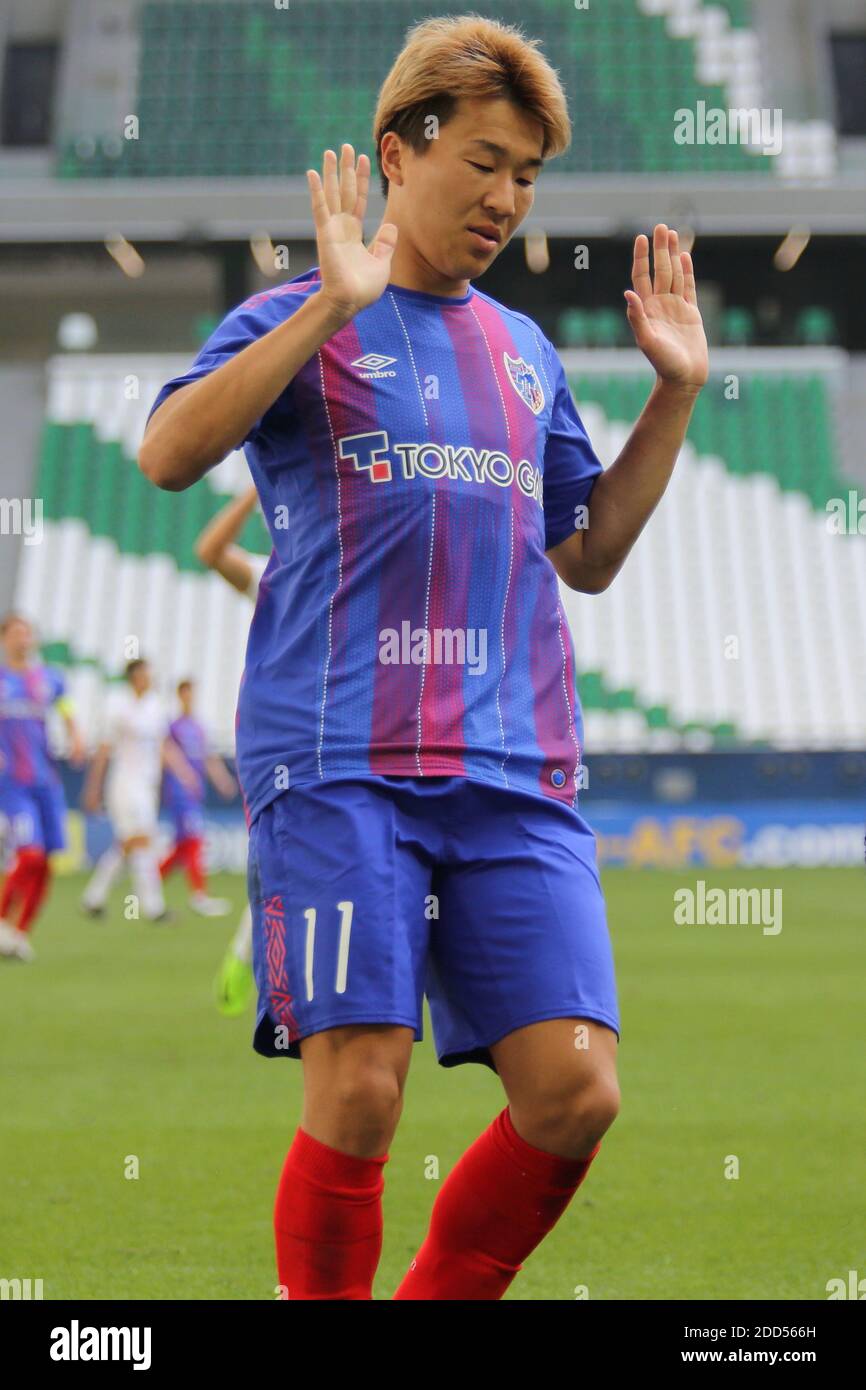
[(488, 169)]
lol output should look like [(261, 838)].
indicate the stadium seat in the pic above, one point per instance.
[(246, 71), (573, 328), (815, 326), (732, 618), (738, 326)]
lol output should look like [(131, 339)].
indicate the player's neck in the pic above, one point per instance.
[(409, 271), (444, 289), (17, 664)]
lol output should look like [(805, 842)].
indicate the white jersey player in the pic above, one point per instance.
[(136, 726), (134, 749)]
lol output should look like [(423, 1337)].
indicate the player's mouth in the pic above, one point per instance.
[(486, 237)]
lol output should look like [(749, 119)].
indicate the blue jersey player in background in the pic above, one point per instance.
[(32, 804), (186, 807)]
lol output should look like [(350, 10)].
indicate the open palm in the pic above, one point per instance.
[(663, 312), (353, 275)]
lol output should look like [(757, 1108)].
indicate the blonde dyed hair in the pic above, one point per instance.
[(457, 56)]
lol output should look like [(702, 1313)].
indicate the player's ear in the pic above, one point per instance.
[(393, 157)]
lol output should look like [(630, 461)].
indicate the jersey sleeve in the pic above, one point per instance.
[(570, 463), (244, 325)]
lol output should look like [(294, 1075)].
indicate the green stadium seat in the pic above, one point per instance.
[(738, 326), (815, 326), (573, 328), (609, 328), (739, 545), (231, 88)]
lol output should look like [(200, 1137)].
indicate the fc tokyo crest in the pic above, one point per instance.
[(524, 379)]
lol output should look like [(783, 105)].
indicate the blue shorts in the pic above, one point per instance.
[(33, 815), (187, 819), (368, 893)]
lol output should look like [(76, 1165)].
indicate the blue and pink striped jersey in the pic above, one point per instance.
[(25, 699), (412, 476), (191, 739)]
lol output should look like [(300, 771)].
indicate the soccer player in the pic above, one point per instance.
[(216, 547), (186, 806), (134, 751), (32, 804), (409, 733)]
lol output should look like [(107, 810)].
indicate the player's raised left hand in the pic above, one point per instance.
[(663, 312)]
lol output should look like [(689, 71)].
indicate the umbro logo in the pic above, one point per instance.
[(374, 364)]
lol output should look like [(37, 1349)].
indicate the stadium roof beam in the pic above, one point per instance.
[(211, 209)]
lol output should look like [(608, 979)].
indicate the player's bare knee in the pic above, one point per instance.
[(597, 1106), (569, 1118), (368, 1093)]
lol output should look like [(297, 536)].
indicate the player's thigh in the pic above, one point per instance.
[(188, 822), (52, 815)]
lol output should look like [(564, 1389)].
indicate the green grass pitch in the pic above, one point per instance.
[(734, 1043)]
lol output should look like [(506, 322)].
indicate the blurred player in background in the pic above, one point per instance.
[(216, 547), (32, 804), (186, 808), (134, 752)]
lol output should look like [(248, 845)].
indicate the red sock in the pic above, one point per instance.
[(24, 867), (194, 865), (34, 892), (328, 1221), (494, 1207), (171, 860)]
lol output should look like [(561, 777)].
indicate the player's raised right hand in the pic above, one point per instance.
[(353, 275)]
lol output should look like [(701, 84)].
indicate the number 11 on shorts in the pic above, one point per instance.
[(345, 910)]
